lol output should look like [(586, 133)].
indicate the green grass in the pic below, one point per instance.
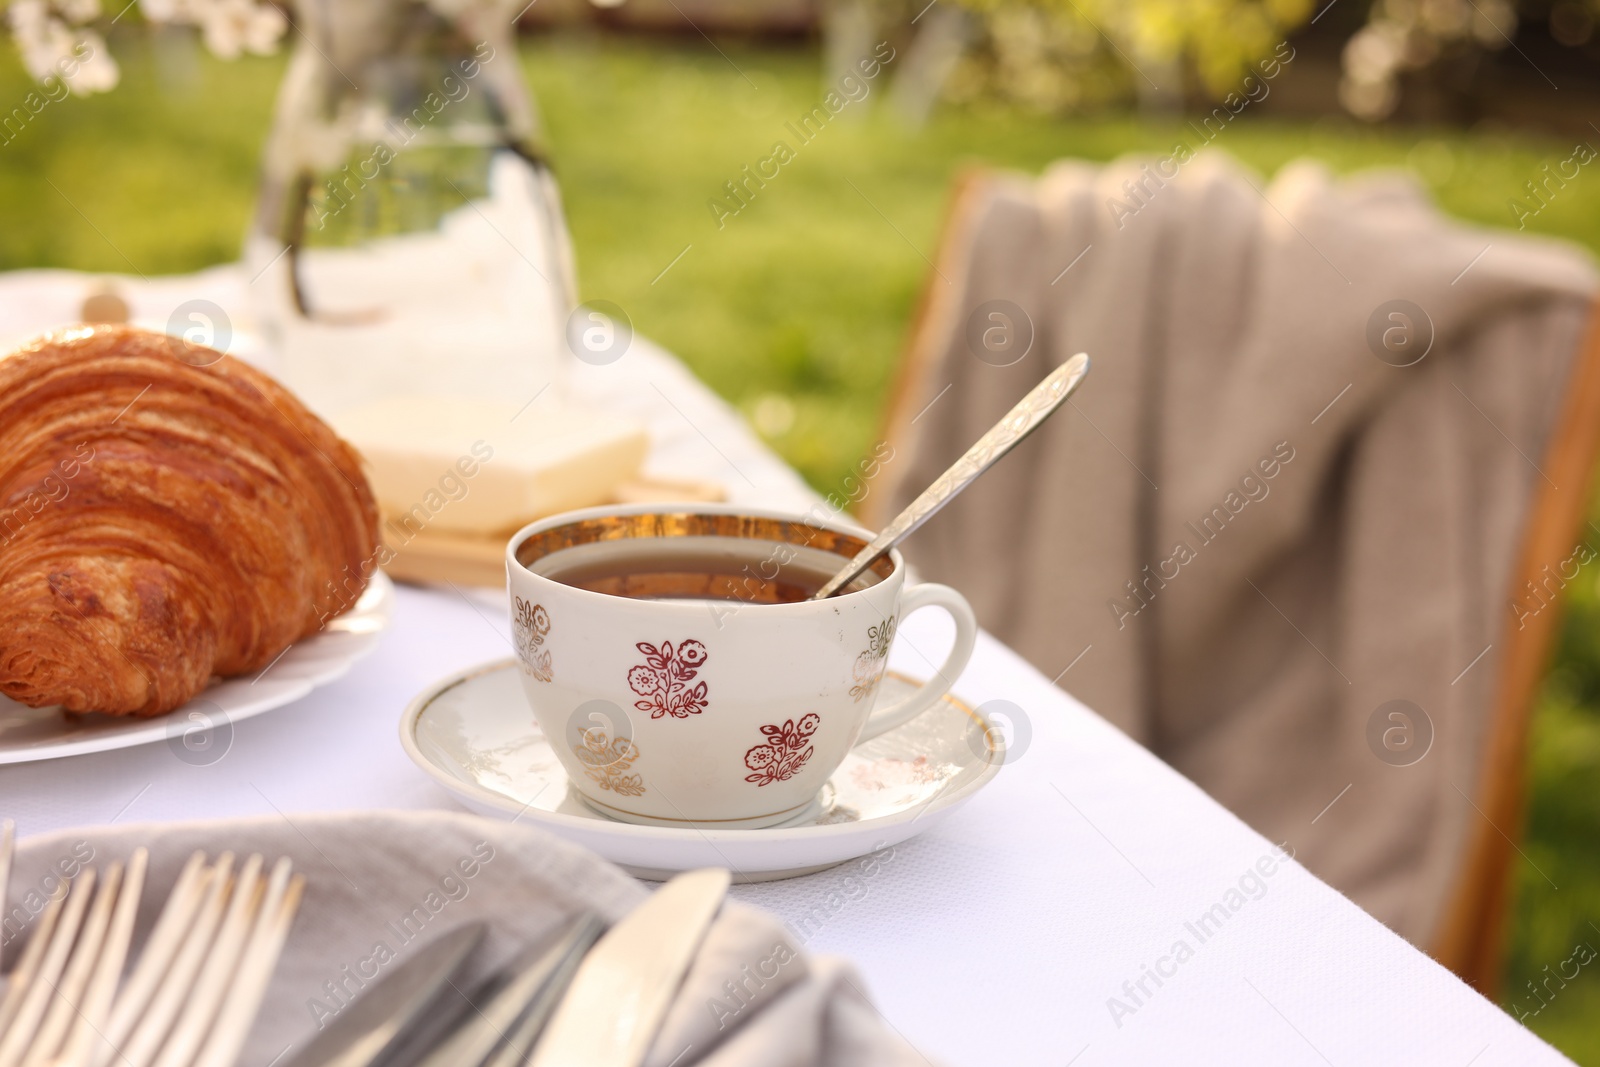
[(805, 295)]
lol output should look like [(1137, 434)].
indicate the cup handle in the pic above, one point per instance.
[(930, 692)]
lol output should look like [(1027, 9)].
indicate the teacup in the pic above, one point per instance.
[(680, 676)]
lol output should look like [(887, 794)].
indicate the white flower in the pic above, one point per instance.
[(52, 43), (28, 17), (234, 26), (228, 27), (455, 9), (52, 46), (97, 72), (451, 9), (267, 26), (44, 41), (168, 10), (77, 12)]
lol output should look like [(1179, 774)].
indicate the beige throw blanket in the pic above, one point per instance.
[(1249, 533)]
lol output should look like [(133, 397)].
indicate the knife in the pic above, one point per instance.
[(385, 1015), (517, 1006), (621, 993)]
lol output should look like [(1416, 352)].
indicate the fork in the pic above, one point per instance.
[(195, 990)]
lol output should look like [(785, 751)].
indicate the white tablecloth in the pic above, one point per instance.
[(1090, 907)]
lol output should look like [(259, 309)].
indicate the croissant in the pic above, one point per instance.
[(167, 514)]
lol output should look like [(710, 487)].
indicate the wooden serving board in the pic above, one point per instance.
[(437, 556)]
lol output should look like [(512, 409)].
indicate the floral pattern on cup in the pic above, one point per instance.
[(662, 680), (786, 749), (607, 762), (530, 623), (868, 670)]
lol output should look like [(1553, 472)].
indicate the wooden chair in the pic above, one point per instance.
[(1471, 940)]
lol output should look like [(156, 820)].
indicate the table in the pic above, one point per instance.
[(1090, 907)]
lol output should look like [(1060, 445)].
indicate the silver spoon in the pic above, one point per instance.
[(1002, 437)]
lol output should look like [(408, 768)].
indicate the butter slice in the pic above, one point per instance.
[(479, 466)]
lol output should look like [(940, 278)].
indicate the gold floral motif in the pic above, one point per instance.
[(530, 623), (873, 659), (606, 762)]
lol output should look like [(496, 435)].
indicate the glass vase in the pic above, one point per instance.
[(409, 237)]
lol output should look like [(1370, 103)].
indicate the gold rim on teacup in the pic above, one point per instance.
[(559, 533)]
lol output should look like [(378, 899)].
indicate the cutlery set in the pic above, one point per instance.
[(583, 997)]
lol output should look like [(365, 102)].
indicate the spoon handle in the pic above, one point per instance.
[(1002, 437)]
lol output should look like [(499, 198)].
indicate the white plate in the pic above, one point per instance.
[(474, 734), (48, 733)]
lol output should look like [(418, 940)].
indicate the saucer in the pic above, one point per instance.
[(474, 734)]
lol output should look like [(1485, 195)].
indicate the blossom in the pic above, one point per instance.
[(29, 21), (97, 72), (53, 49), (44, 40), (458, 10), (78, 12), (230, 27), (170, 10)]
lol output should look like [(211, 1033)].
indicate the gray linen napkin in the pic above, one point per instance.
[(378, 884)]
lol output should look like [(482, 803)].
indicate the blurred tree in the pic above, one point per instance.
[(1060, 56), (1406, 35), (1076, 55), (1067, 54)]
